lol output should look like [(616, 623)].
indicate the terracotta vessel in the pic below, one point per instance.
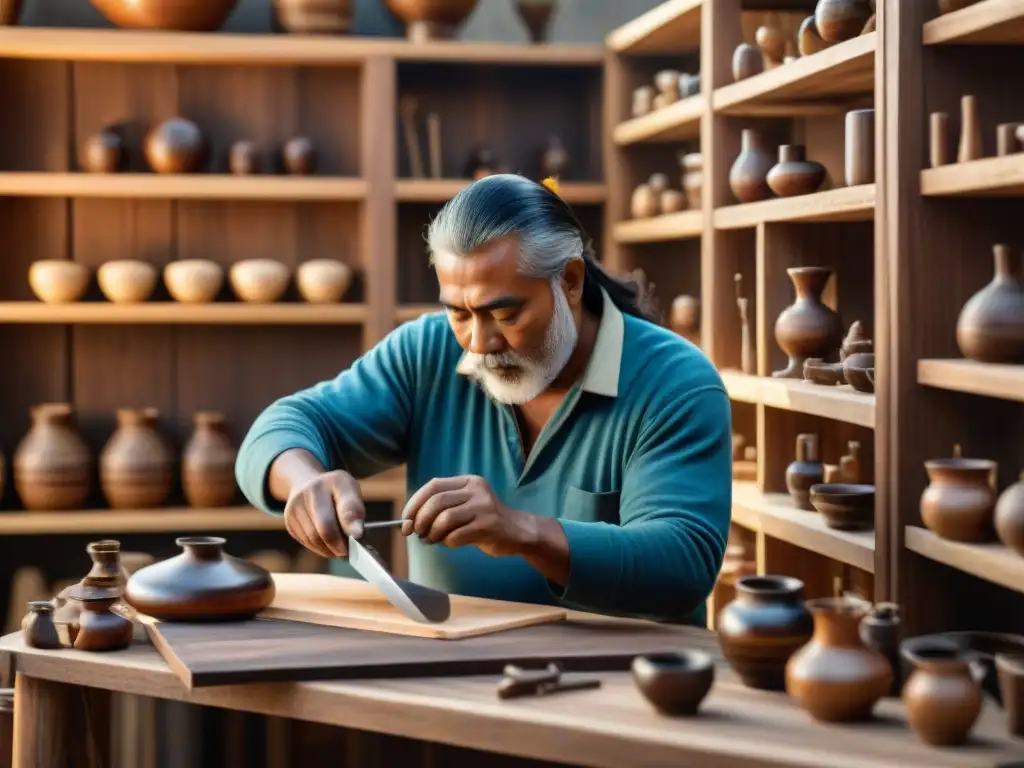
[(839, 20), (10, 12), (431, 19), (845, 506), (794, 174), (180, 16), (835, 677), (201, 584), (807, 328), (809, 41), (313, 17), (244, 158), (175, 146), (880, 630), (990, 328), (259, 280), (685, 317), (805, 471), (298, 156), (672, 201), (208, 462), (1009, 516), (536, 15), (323, 281), (948, 6), (644, 203), (693, 178), (56, 281), (765, 625), (555, 159), (979, 650), (772, 43), (127, 281), (194, 281), (674, 683), (52, 465), (137, 464), (747, 61), (941, 697), (99, 627), (1011, 683), (103, 152), (38, 627), (748, 177), (859, 157), (106, 565), (958, 502)]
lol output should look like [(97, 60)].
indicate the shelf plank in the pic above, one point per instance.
[(670, 226), (988, 177), (990, 22), (991, 562), (672, 27), (778, 518), (836, 403), (676, 122), (443, 190), (1001, 381), (406, 312), (840, 204), (173, 313), (220, 48), (843, 70), (181, 186)]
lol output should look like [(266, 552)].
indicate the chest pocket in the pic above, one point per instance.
[(588, 507)]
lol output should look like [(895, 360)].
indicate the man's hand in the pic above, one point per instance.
[(458, 511), (321, 513)]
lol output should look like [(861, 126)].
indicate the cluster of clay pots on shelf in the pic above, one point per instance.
[(835, 491), (656, 197), (54, 468), (670, 86), (839, 656), (191, 281)]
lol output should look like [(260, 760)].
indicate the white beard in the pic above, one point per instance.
[(530, 376)]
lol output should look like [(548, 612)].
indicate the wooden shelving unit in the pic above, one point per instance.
[(674, 123), (172, 313), (668, 226), (990, 177), (1005, 382), (841, 204), (990, 22)]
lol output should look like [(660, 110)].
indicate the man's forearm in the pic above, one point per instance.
[(292, 469), (546, 547)]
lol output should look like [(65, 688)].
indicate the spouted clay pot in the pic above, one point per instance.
[(52, 465), (137, 464), (807, 328)]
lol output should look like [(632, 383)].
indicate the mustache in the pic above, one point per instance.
[(473, 361)]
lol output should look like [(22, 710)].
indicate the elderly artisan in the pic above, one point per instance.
[(565, 448)]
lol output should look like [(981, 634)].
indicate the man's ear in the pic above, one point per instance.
[(572, 281)]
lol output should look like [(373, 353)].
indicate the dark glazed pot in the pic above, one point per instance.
[(175, 146), (990, 328), (765, 625), (845, 506), (806, 471), (794, 174), (100, 628), (958, 502), (201, 584), (10, 12), (536, 15), (747, 61), (942, 699), (38, 628), (431, 19), (674, 683), (809, 42), (298, 156), (748, 177), (839, 20), (880, 630), (178, 16), (807, 328), (102, 152)]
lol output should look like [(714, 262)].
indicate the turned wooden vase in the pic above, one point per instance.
[(807, 328), (179, 16), (137, 464), (53, 466), (1009, 516), (203, 583), (959, 500), (835, 677), (536, 15), (208, 463), (431, 19), (941, 696), (748, 177), (990, 328)]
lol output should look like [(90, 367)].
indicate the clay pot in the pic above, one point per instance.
[(536, 14), (313, 17), (948, 6), (208, 463), (674, 683), (259, 280), (685, 317), (180, 16), (103, 152), (1011, 683), (644, 202), (806, 471), (809, 42), (175, 146), (298, 156), (672, 201), (52, 464), (127, 281), (1009, 516), (990, 328), (859, 371), (765, 625), (693, 178), (689, 85), (56, 281), (772, 43), (38, 628), (979, 650), (99, 627), (323, 281), (747, 61), (880, 630), (137, 463), (794, 174), (431, 19), (958, 502), (859, 157), (807, 328), (106, 565), (748, 177), (244, 158), (555, 159), (10, 12), (835, 677), (845, 506), (194, 281), (203, 583), (941, 697), (839, 20)]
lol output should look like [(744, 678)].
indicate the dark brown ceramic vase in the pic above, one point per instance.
[(38, 628), (175, 146), (208, 463), (807, 328), (806, 471), (298, 156), (102, 152), (957, 504), (178, 16), (835, 677), (880, 630), (203, 583), (137, 464), (839, 20), (990, 328), (431, 19), (748, 177), (536, 15), (765, 625), (99, 627), (794, 174), (1009, 516), (941, 697), (674, 683), (53, 466)]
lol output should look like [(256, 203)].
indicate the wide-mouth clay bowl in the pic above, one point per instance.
[(259, 280), (127, 281), (171, 15), (193, 281), (56, 281), (674, 683), (845, 506), (323, 281)]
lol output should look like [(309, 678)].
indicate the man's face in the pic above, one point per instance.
[(518, 332)]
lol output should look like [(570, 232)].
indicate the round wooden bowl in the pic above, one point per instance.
[(193, 281), (259, 280), (127, 281), (323, 281), (55, 281), (178, 16)]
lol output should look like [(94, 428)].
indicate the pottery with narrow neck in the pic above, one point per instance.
[(748, 177), (807, 328), (805, 471), (794, 174), (990, 328), (53, 466)]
